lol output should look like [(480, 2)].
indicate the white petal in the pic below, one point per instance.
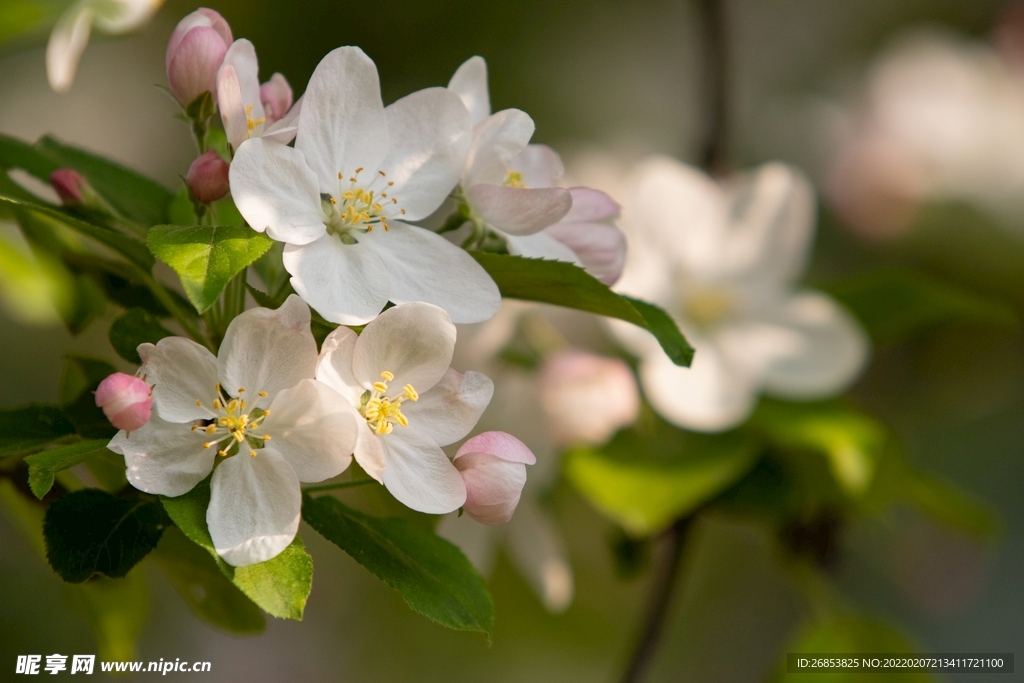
[(419, 474), (493, 486), (164, 458), (413, 341), (345, 283), (369, 451), (811, 346), (541, 245), (334, 366), (284, 129), (429, 135), (589, 205), (496, 140), (268, 350), (275, 191), (478, 542), (255, 507), (599, 247), (539, 165), (451, 409), (314, 429), (538, 552), (519, 210), (711, 395), (240, 70), (67, 43), (470, 83), (342, 125), (423, 266), (181, 373)]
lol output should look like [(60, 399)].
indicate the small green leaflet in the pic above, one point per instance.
[(135, 326), (206, 257), (43, 466), (566, 284), (91, 532), (280, 586), (433, 576)]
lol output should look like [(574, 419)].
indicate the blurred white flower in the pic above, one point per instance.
[(395, 377), (942, 118), (71, 33), (338, 199), (258, 408), (248, 109), (512, 186), (723, 260)]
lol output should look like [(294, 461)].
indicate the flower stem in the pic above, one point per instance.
[(339, 485), (172, 307)]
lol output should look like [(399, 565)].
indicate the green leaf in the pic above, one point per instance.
[(203, 587), (645, 496), (894, 305), (951, 505), (22, 429), (135, 196), (852, 442), (92, 532), (850, 635), (15, 153), (565, 284), (280, 586), (78, 382), (135, 326), (42, 466), (116, 610), (205, 257), (432, 575)]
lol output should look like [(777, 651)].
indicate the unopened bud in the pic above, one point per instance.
[(125, 400), (69, 185), (194, 54), (276, 97), (493, 466), (207, 177), (586, 397)]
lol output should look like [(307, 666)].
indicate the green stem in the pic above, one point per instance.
[(339, 485)]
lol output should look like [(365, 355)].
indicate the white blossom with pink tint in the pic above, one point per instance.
[(493, 466), (125, 400), (586, 397), (195, 53)]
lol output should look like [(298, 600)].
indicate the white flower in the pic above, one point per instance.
[(395, 375), (340, 197), (249, 110), (723, 261), (511, 186), (71, 33), (257, 409)]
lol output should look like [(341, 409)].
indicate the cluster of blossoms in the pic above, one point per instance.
[(348, 185)]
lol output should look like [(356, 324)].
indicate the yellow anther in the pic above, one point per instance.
[(211, 429), (199, 404), (359, 170), (208, 444), (387, 376), (266, 437), (263, 394), (223, 453), (241, 389), (218, 387), (382, 173), (195, 427), (252, 454), (410, 393), (216, 404), (334, 201), (380, 387), (339, 175), (401, 419), (513, 179)]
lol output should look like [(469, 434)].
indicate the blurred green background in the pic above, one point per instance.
[(620, 80)]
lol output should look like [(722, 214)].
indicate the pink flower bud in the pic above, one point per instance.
[(493, 465), (276, 97), (125, 400), (587, 398), (70, 186), (208, 177), (194, 54)]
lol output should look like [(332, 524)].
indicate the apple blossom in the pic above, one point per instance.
[(586, 397), (247, 109), (395, 375), (195, 53), (71, 33), (207, 177), (723, 261), (125, 400), (69, 185), (340, 198), (512, 187), (253, 415), (493, 466)]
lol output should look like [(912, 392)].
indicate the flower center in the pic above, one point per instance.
[(359, 206), (234, 424), (706, 307), (513, 179), (250, 122), (382, 412)]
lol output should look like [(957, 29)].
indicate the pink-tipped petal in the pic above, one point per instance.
[(519, 210), (499, 444), (589, 204), (201, 17), (276, 96), (600, 248), (125, 400), (193, 67)]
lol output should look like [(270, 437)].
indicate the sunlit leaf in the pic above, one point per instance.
[(43, 466)]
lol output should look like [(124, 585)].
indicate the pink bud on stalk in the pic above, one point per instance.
[(493, 466), (194, 54), (586, 397), (207, 177), (69, 185), (125, 400), (276, 97)]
